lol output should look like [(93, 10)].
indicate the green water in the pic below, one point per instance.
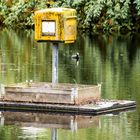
[(113, 61)]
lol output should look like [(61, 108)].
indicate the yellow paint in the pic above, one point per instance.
[(61, 22), (50, 1)]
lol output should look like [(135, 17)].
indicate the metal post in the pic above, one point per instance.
[(55, 64), (54, 134)]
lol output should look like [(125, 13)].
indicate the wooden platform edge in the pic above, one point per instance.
[(74, 109)]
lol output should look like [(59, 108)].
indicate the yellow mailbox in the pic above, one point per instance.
[(56, 24)]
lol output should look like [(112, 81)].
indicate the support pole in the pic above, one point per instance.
[(55, 64), (53, 134)]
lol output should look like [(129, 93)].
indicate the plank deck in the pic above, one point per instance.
[(102, 107)]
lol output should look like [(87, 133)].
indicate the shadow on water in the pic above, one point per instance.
[(112, 60)]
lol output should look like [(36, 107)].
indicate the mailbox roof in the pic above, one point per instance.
[(64, 11)]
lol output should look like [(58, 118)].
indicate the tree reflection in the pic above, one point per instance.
[(113, 61)]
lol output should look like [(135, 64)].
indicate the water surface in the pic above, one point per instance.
[(112, 60)]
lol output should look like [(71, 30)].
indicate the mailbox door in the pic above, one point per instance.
[(70, 29), (48, 27)]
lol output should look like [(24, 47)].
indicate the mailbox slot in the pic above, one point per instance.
[(48, 28)]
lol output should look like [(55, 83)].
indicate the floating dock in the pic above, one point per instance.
[(101, 107), (61, 98)]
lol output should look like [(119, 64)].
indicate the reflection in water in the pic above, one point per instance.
[(44, 120), (32, 123), (30, 132), (21, 59), (113, 61), (30, 119)]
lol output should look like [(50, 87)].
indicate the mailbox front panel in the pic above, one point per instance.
[(51, 27), (48, 27)]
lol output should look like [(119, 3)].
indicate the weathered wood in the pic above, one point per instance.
[(92, 109), (63, 98), (46, 93)]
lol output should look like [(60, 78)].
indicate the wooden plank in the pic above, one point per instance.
[(46, 93), (93, 109)]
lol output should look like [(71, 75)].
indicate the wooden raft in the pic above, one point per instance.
[(61, 98), (46, 93), (101, 107)]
